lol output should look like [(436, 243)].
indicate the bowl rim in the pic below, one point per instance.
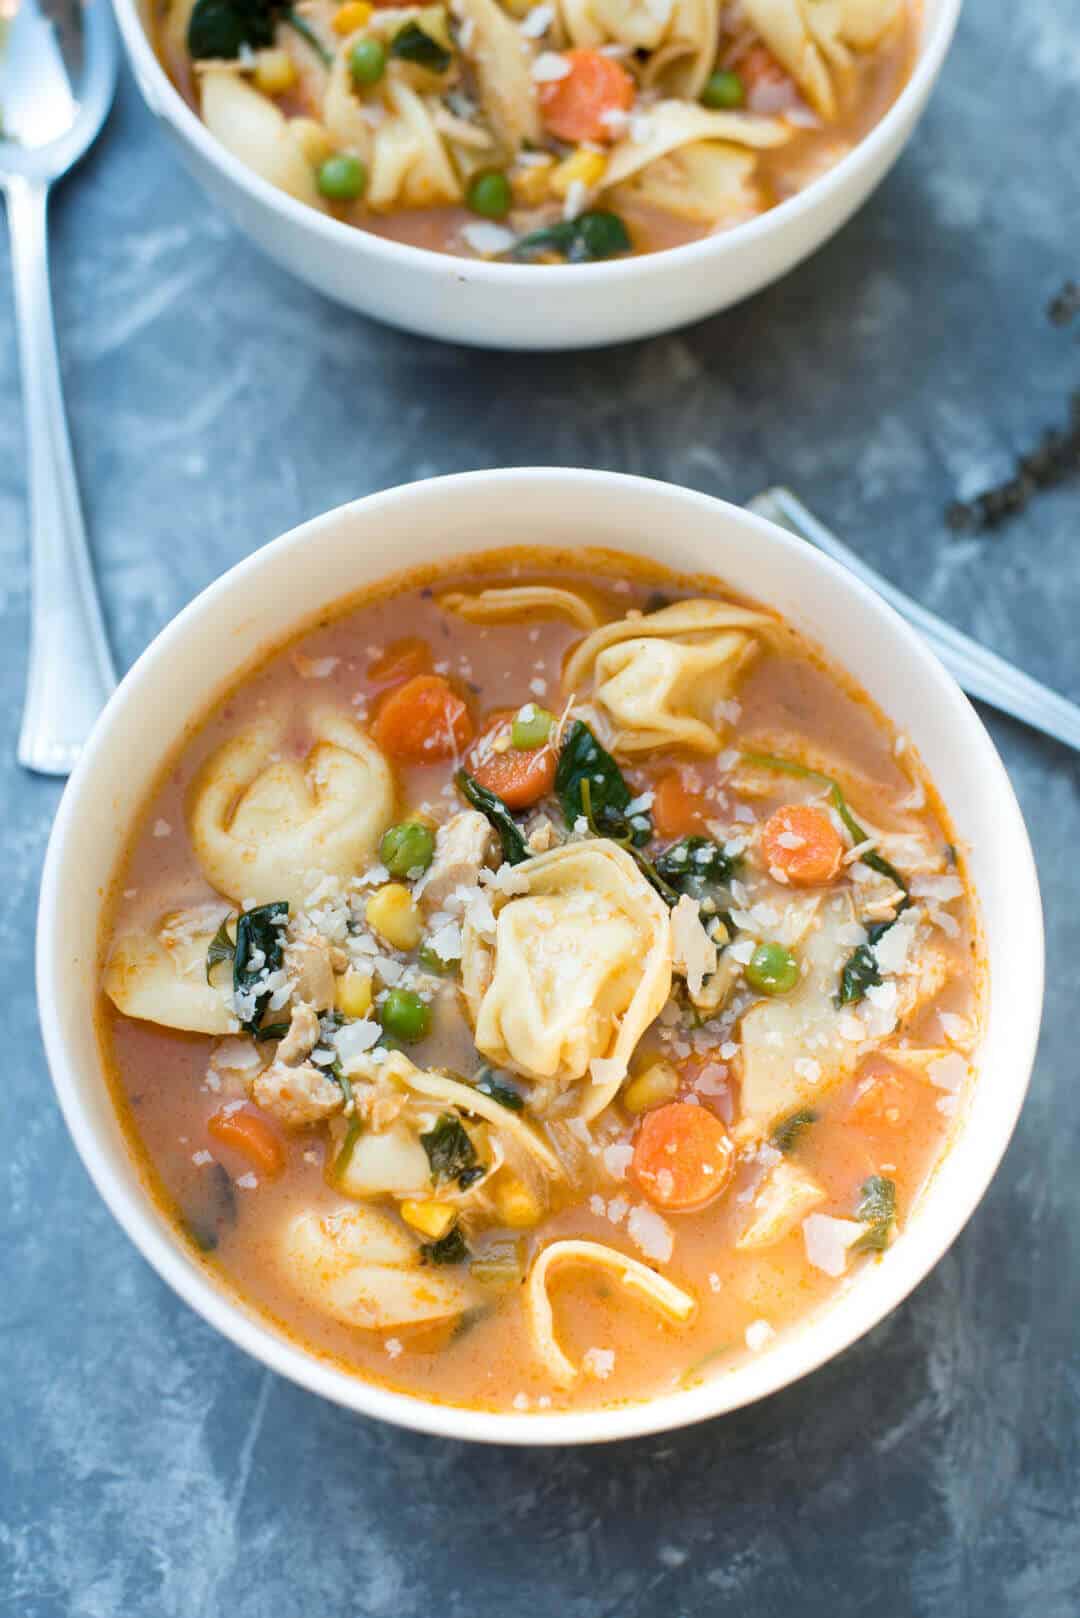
[(787, 1361), (169, 104)]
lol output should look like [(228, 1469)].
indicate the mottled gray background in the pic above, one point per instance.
[(149, 1468)]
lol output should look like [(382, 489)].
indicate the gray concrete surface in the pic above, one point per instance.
[(147, 1468)]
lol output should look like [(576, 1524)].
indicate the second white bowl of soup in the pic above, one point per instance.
[(539, 175), (548, 994)]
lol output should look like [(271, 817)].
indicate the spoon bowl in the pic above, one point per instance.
[(57, 74)]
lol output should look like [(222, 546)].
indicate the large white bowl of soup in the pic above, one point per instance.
[(565, 987), (539, 173)]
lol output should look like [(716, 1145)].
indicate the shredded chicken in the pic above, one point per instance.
[(301, 1040), (463, 846), (297, 1096)]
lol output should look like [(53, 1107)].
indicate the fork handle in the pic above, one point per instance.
[(71, 670)]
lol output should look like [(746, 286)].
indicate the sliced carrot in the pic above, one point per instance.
[(248, 1133), (683, 1156), (422, 720), (519, 776), (803, 843), (676, 811), (577, 106), (401, 661)]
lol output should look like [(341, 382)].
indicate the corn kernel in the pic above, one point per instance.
[(352, 994), (530, 183), (431, 1219), (352, 15), (658, 1084), (394, 916), (515, 1203), (584, 167), (275, 72), (312, 139)]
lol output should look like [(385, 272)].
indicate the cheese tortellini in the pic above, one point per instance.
[(362, 1268), (579, 966), (814, 39), (265, 825), (159, 975), (661, 679), (253, 129)]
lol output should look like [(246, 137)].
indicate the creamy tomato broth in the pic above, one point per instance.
[(613, 975), (548, 130)]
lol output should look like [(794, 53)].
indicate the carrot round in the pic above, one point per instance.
[(576, 107), (422, 721), (683, 1156), (401, 661), (803, 843), (249, 1134), (519, 776), (676, 811)]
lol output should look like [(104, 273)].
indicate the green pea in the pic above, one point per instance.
[(531, 727), (342, 178), (367, 62), (489, 194), (723, 90), (433, 962), (409, 846), (772, 969), (404, 1015)]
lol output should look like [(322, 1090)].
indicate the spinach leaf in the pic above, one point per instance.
[(348, 1146), (695, 865), (788, 1131), (218, 1211), (861, 970), (860, 973), (490, 1084), (495, 811), (260, 948), (411, 44), (220, 29), (788, 766), (220, 948), (272, 1030), (877, 1208), (450, 1249), (589, 784), (450, 1152), (591, 236)]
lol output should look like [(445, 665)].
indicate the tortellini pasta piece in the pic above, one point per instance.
[(670, 125), (254, 130), (160, 976), (503, 605), (360, 1267), (579, 966), (501, 59), (410, 166), (707, 183), (656, 1290), (680, 34), (267, 826), (785, 1197), (813, 40), (661, 679)]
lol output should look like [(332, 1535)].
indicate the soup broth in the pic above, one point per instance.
[(711, 1014)]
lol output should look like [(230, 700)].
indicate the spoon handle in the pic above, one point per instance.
[(71, 670)]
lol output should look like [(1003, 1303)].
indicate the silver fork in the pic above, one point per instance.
[(57, 74), (981, 673)]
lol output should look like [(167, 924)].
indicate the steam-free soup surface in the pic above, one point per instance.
[(711, 1014), (541, 130)]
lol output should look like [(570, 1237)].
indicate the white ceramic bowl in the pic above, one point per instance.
[(274, 592), (536, 306)]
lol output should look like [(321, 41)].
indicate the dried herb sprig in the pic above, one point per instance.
[(1055, 458)]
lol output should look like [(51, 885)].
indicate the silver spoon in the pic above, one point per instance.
[(57, 74), (981, 673)]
